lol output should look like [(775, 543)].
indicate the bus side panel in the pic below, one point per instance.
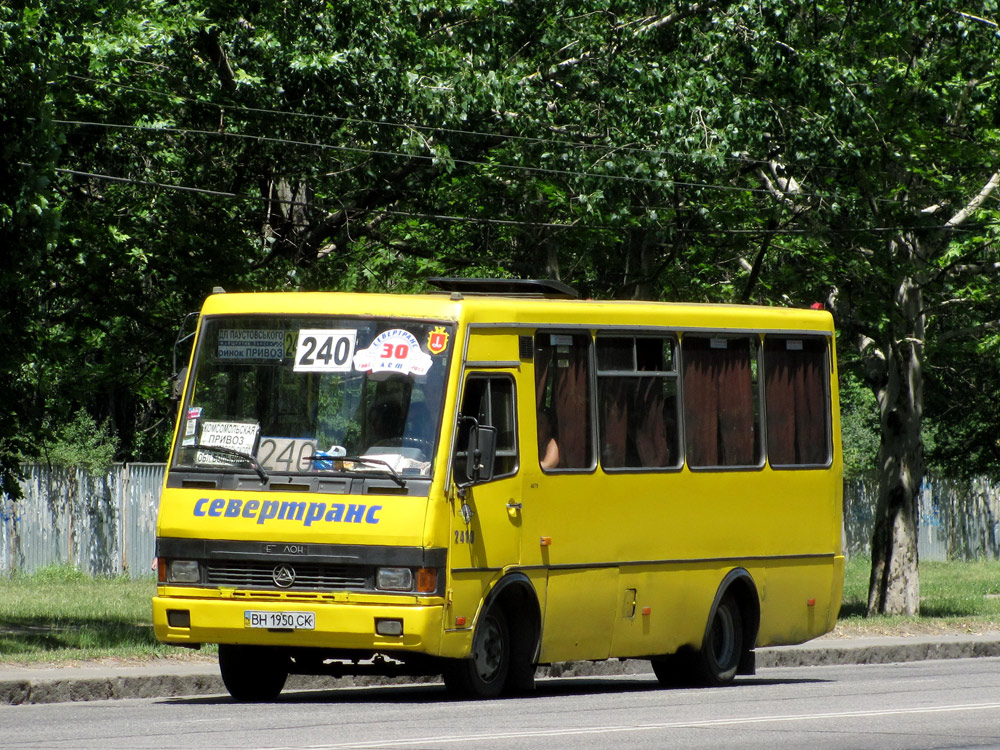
[(800, 600), (678, 535), (579, 614), (662, 608)]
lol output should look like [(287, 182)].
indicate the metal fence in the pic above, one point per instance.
[(103, 525), (958, 520), (106, 525)]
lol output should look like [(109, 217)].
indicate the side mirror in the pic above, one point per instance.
[(480, 451), (177, 384)]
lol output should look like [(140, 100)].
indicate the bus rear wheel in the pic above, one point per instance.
[(485, 674), (719, 658), (252, 674)]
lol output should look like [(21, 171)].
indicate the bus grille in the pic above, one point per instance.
[(312, 577)]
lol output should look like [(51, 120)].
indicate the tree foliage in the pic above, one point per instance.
[(772, 152)]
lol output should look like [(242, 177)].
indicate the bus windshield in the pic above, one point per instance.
[(315, 394)]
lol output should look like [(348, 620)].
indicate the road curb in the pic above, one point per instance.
[(64, 685), (917, 650)]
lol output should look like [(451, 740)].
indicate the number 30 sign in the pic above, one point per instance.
[(395, 350)]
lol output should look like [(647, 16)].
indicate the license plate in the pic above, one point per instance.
[(280, 620)]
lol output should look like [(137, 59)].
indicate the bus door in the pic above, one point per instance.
[(486, 523)]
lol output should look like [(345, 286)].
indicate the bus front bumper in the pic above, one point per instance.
[(189, 621)]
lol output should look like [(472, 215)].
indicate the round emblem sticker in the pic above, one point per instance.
[(395, 350)]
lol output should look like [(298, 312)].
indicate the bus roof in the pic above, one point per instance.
[(517, 310)]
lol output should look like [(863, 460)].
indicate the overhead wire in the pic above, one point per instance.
[(415, 126), (608, 148), (421, 157), (431, 158), (502, 222), (563, 143)]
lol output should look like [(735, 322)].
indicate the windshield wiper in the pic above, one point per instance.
[(255, 465), (393, 474)]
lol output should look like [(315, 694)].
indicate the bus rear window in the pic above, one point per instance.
[(797, 398)]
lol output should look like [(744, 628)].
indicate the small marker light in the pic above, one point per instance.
[(545, 541), (646, 610), (810, 602), (459, 622)]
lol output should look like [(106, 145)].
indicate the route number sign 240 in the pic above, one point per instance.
[(325, 350)]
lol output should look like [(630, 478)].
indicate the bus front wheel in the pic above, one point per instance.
[(719, 658), (252, 674), (484, 675)]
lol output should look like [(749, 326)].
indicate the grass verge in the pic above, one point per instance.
[(955, 597), (60, 614)]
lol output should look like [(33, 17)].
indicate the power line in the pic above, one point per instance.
[(612, 148), (414, 126), (501, 222), (664, 182), (293, 203)]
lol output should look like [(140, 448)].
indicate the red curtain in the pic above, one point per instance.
[(796, 398), (651, 436), (719, 402)]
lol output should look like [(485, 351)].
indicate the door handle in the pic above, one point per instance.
[(513, 508)]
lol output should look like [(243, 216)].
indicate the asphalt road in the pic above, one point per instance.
[(953, 703)]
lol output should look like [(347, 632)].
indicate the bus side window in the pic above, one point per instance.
[(721, 405), (563, 393), (637, 402), (490, 399), (797, 399)]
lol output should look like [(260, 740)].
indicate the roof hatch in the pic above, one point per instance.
[(546, 288)]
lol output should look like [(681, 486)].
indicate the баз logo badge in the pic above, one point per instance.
[(283, 575)]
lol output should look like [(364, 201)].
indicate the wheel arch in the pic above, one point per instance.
[(516, 598), (741, 585)]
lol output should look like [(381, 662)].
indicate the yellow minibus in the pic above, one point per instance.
[(495, 476)]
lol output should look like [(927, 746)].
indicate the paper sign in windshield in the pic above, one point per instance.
[(395, 350), (245, 343), (237, 436), (325, 350)]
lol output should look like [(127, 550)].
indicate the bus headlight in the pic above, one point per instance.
[(394, 579), (183, 571)]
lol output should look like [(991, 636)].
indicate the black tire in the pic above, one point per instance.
[(719, 657), (484, 675), (252, 674)]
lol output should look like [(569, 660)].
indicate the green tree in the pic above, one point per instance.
[(779, 153), (882, 137), (29, 222)]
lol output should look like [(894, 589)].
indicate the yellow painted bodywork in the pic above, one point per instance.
[(622, 565)]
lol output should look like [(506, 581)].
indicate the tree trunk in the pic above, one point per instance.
[(894, 587)]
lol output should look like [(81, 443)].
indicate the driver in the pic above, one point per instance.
[(385, 422)]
